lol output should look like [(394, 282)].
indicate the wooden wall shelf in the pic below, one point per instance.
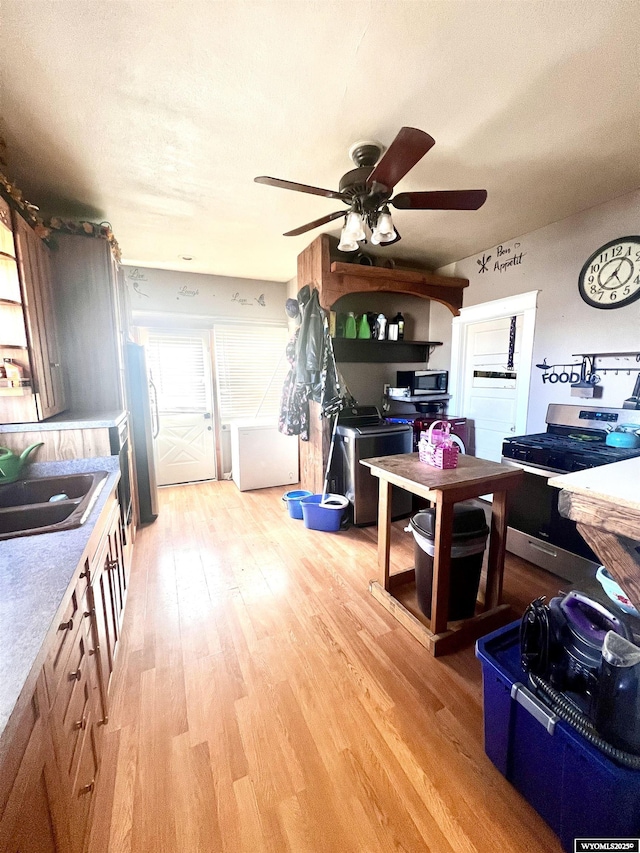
[(319, 268), (334, 279), (382, 352)]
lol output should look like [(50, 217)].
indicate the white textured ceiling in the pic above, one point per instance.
[(157, 116)]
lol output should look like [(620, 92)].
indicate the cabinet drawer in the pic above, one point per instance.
[(68, 628), (83, 792), (69, 711), (70, 722)]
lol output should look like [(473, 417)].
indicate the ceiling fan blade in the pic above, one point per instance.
[(315, 223), (301, 188), (409, 146), (441, 200)]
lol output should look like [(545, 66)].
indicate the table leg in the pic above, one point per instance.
[(497, 548), (441, 564), (384, 532)]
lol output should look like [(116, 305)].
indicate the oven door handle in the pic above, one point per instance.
[(530, 469)]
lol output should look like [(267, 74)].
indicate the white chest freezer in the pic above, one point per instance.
[(262, 457)]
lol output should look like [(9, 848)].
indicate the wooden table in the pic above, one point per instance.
[(605, 504), (473, 477)]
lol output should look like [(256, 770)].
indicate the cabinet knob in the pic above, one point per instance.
[(87, 789), (66, 626), (80, 725), (76, 675)]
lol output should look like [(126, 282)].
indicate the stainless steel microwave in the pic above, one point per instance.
[(423, 382)]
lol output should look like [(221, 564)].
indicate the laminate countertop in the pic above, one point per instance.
[(35, 574), (69, 420), (617, 484)]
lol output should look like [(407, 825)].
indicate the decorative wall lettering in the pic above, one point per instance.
[(261, 300), (135, 277), (508, 256), (241, 300), (505, 257), (567, 374), (184, 291)]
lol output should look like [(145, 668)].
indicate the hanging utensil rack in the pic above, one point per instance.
[(592, 369)]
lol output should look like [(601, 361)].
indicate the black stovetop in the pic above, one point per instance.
[(565, 449)]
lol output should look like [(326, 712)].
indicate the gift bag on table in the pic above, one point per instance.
[(437, 448)]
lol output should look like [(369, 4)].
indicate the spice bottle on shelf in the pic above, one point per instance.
[(399, 320), (392, 330)]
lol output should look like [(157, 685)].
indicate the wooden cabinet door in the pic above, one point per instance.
[(117, 566), (103, 623), (37, 287), (35, 819), (83, 272), (106, 600)]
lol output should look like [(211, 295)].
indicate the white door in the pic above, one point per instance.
[(490, 383), (180, 368), (491, 370)]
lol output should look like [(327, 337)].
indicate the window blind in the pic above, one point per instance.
[(178, 370), (250, 364)]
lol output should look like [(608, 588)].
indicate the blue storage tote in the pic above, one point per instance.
[(578, 790)]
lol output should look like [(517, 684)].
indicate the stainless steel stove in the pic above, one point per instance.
[(575, 439)]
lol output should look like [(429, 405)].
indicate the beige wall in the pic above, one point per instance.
[(549, 260), (184, 296), (192, 300)]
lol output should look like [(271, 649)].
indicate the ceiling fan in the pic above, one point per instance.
[(367, 190)]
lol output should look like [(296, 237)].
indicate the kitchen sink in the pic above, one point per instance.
[(47, 504)]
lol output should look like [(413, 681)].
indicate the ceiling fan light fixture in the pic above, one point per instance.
[(347, 243), (354, 227), (384, 231)]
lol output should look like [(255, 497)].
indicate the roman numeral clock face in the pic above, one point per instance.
[(611, 276)]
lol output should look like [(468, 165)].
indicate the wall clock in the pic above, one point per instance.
[(610, 278)]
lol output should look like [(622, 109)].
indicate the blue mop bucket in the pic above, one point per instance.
[(292, 500), (323, 516)]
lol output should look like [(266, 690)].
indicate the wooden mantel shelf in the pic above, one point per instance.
[(334, 279)]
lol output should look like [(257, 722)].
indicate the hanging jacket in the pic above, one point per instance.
[(310, 351), (294, 405)]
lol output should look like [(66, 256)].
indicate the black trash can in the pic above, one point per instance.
[(470, 533)]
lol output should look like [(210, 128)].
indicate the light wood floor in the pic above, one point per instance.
[(264, 701)]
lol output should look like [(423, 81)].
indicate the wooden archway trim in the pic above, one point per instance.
[(334, 279)]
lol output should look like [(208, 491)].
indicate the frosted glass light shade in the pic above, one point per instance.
[(384, 230), (347, 243), (354, 226)]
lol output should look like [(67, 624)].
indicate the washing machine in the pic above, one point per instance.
[(362, 433)]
